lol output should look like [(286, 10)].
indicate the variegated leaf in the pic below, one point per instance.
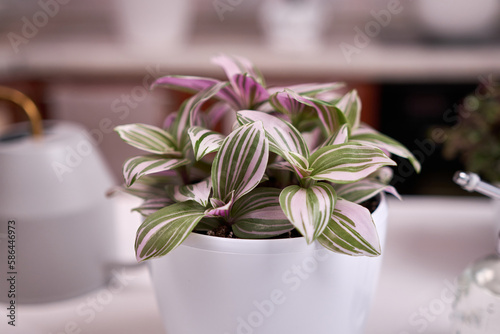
[(152, 205), (220, 209), (310, 89), (351, 231), (166, 229), (136, 167), (341, 136), (240, 162), (369, 136), (283, 137), (350, 105), (308, 209), (198, 192), (258, 215), (188, 113), (363, 190), (148, 138), (238, 65), (291, 103), (193, 84), (204, 141), (251, 93), (346, 163), (208, 224)]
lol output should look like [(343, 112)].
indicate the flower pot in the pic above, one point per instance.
[(214, 285)]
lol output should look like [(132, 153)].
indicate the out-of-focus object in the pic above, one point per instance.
[(457, 19), (472, 182), (155, 24), (477, 306), (56, 225), (293, 25), (475, 138)]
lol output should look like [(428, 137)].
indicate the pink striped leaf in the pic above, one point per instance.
[(198, 192), (204, 141), (283, 137), (258, 215), (152, 205), (310, 89), (346, 163), (148, 138), (166, 229), (241, 161), (238, 65), (368, 136), (293, 104), (360, 191), (251, 93), (351, 231), (193, 84), (350, 105), (137, 167), (309, 209), (187, 114), (341, 136)]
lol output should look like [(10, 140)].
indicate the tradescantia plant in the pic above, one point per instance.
[(297, 159)]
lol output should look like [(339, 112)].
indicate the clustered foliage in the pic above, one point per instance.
[(475, 138), (297, 158)]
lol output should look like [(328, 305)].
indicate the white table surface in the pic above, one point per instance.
[(430, 240)]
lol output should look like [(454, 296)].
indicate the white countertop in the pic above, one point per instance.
[(430, 241)]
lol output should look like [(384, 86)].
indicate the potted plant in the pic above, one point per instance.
[(257, 220)]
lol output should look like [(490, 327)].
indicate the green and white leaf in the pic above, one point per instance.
[(137, 167), (166, 229), (188, 111), (308, 209), (148, 138), (198, 192), (350, 105), (346, 163), (283, 136), (241, 162), (207, 224), (369, 136), (341, 136), (258, 215), (351, 231), (363, 190), (152, 205), (204, 141)]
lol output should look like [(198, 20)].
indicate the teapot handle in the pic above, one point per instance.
[(29, 107)]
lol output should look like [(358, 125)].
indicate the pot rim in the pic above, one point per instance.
[(265, 246)]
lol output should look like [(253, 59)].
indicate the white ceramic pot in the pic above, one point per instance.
[(215, 285), (55, 222)]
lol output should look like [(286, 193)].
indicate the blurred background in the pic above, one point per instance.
[(413, 62)]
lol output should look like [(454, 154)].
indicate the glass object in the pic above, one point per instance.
[(477, 306)]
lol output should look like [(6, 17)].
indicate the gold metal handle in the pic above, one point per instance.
[(29, 107)]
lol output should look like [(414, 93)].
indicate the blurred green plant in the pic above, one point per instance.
[(475, 138)]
